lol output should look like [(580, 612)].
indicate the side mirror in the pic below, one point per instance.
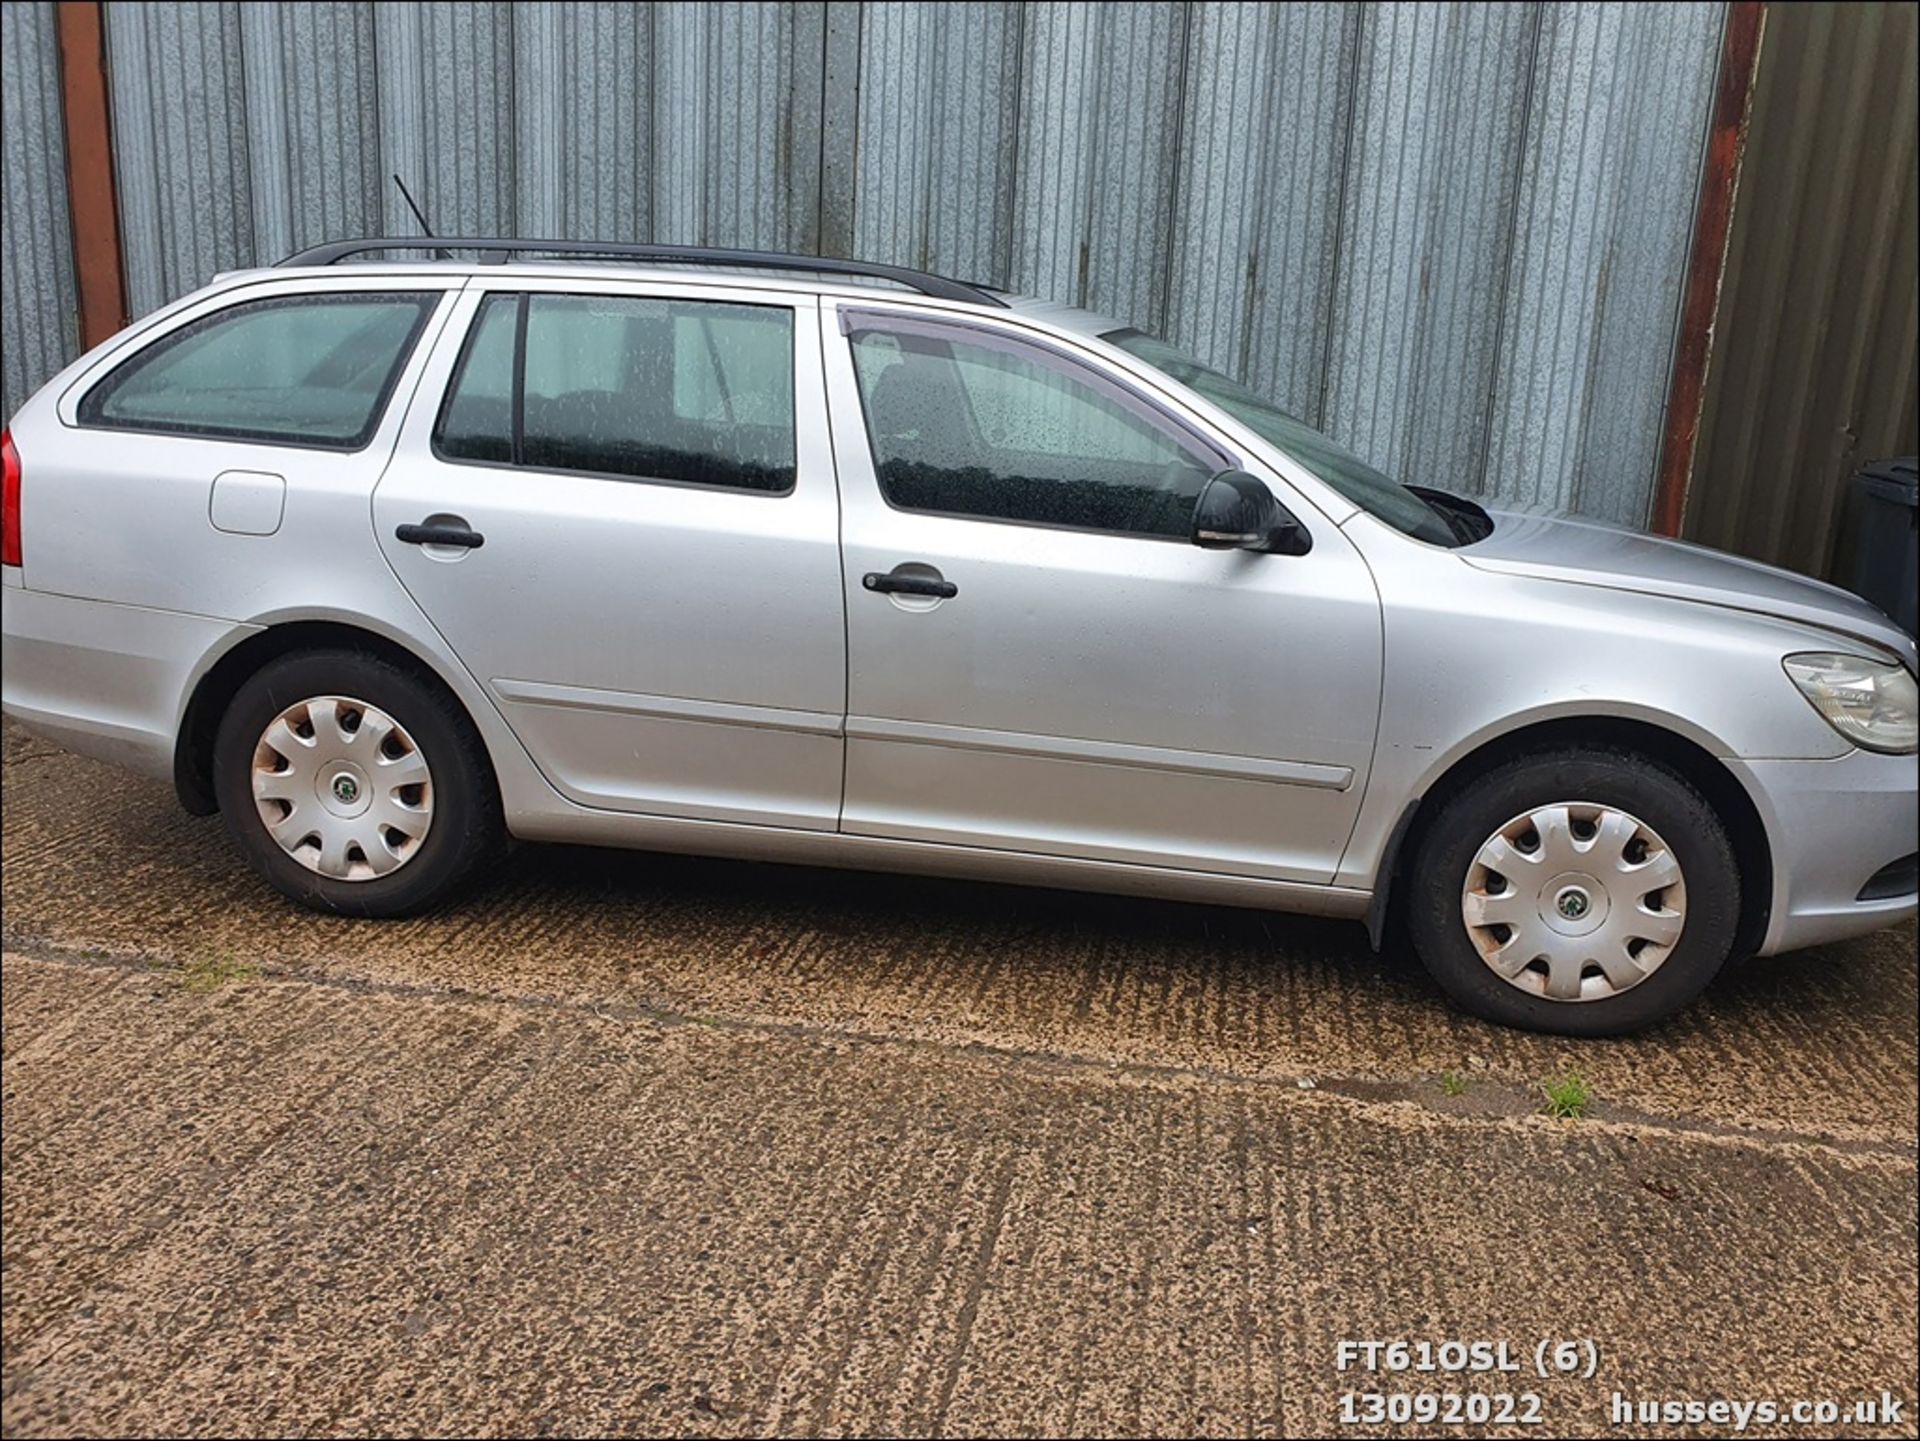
[(1236, 511)]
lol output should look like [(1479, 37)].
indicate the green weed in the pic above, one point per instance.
[(209, 972), (1568, 1096)]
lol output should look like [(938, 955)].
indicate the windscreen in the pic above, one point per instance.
[(1352, 477)]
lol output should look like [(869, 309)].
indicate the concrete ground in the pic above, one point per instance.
[(628, 1143)]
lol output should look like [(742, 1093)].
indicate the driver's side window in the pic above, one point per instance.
[(968, 422)]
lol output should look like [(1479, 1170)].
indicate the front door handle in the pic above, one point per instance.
[(431, 534), (896, 584)]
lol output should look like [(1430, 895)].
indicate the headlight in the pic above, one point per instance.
[(1874, 704)]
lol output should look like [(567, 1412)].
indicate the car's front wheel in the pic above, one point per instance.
[(1589, 892), (352, 785)]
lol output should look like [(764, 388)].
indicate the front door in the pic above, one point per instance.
[(1038, 659), (623, 519)]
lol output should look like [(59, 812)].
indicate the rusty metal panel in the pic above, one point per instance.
[(1813, 369), (1706, 260), (39, 330)]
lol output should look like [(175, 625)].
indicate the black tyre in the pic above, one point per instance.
[(353, 786), (1587, 892)]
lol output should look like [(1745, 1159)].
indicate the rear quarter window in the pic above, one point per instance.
[(308, 370)]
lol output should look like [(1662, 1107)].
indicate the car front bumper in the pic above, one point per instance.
[(1832, 825)]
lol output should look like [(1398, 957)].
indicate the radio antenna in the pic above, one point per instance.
[(425, 229)]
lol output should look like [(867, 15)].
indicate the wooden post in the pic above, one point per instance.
[(92, 203)]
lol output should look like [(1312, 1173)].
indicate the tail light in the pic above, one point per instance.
[(10, 502)]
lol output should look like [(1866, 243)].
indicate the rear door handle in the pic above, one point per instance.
[(910, 585), (440, 535)]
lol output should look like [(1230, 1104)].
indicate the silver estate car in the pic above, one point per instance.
[(815, 561)]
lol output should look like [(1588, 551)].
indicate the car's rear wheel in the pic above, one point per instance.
[(352, 785), (1589, 892)]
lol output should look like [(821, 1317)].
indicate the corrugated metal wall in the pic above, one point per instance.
[(39, 326), (245, 131), (1813, 368), (1454, 234)]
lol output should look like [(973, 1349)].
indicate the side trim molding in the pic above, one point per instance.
[(666, 707), (1107, 753)]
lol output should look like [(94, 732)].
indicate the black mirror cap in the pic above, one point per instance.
[(1236, 511)]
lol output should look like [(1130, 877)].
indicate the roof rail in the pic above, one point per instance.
[(937, 286)]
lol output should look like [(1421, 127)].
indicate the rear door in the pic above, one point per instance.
[(622, 517)]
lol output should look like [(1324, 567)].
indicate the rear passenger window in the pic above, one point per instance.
[(311, 370), (689, 392)]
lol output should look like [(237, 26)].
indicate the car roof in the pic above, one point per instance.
[(750, 270)]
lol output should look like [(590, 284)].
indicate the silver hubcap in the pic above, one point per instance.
[(342, 788), (1574, 902)]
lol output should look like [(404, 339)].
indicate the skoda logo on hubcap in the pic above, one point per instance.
[(346, 789), (1573, 904)]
